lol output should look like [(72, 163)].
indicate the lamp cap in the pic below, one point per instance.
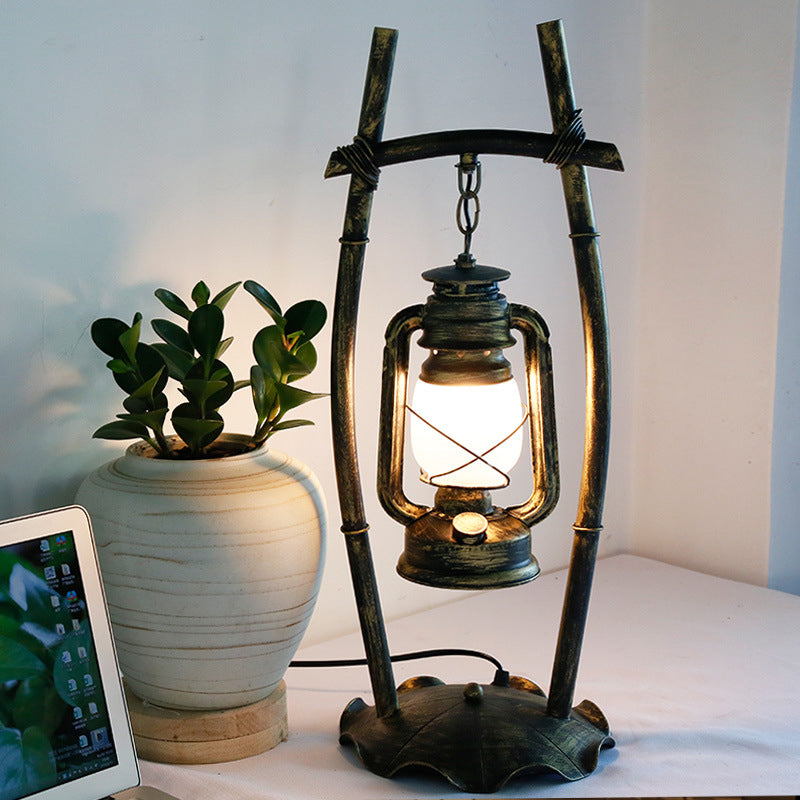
[(465, 273)]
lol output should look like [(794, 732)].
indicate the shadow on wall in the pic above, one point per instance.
[(63, 266)]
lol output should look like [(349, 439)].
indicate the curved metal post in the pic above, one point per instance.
[(598, 384), (348, 285)]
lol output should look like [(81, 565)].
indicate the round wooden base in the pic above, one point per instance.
[(172, 736)]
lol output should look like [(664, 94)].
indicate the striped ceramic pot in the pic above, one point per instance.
[(211, 570)]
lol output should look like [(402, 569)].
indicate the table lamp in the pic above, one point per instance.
[(467, 420)]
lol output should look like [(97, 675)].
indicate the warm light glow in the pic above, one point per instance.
[(477, 417)]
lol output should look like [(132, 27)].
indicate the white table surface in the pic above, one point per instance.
[(698, 677)]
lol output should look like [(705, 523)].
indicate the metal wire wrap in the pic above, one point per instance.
[(569, 141), (361, 161)]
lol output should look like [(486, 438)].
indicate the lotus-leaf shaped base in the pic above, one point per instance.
[(476, 736)]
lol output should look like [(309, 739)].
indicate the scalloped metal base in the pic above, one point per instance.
[(476, 736)]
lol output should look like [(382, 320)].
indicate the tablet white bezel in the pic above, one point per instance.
[(125, 773)]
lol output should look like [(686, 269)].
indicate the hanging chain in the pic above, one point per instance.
[(468, 210)]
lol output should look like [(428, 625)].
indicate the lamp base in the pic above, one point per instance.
[(476, 736)]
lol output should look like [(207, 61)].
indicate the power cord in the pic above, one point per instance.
[(501, 676), (361, 662)]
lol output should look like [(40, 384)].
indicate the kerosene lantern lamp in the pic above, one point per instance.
[(467, 421)]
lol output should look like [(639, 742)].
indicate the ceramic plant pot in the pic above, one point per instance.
[(211, 569)]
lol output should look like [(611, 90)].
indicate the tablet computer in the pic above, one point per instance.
[(64, 727)]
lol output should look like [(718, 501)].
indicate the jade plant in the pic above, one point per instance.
[(189, 354)]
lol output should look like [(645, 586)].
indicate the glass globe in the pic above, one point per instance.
[(484, 419)]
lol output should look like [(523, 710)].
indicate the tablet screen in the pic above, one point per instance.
[(55, 723)]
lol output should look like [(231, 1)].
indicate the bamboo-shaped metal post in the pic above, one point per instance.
[(351, 262), (598, 388)]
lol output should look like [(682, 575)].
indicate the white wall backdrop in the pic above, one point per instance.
[(716, 127), (157, 143), (784, 555)]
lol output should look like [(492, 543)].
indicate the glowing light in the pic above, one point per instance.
[(481, 418)]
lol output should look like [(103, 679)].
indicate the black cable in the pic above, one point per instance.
[(360, 662)]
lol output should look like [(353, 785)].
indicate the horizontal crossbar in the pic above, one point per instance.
[(487, 141)]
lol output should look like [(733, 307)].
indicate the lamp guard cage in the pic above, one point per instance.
[(582, 729), (539, 418)]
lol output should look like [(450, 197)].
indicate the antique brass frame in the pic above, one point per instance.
[(522, 731)]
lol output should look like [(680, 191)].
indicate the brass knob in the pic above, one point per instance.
[(469, 527), (473, 693)]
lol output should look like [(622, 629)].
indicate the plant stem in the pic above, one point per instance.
[(161, 444)]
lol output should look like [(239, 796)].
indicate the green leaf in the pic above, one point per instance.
[(12, 765), (18, 662), (211, 392), (106, 333), (36, 702), (149, 362), (240, 385), (200, 294), (33, 637), (223, 346), (7, 563), (152, 419), (134, 405), (63, 673), (268, 350), (197, 391), (197, 433), (129, 339), (41, 605), (307, 353), (160, 401), (221, 299), (302, 363), (121, 429), (290, 397), (178, 362), (205, 330), (119, 366), (148, 389), (173, 303), (294, 369), (127, 381), (9, 626), (258, 387), (38, 758), (5, 720), (273, 357), (265, 431), (291, 423), (265, 300), (306, 317), (173, 334), (264, 393)]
